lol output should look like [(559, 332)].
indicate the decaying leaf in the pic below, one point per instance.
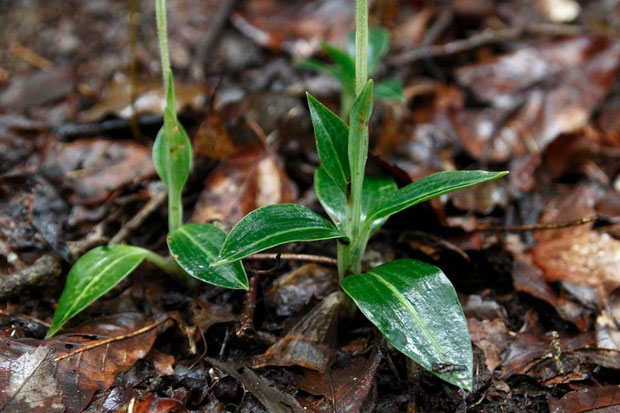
[(310, 342), (71, 382), (250, 178)]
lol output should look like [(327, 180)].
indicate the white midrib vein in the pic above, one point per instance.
[(414, 313), (97, 278)]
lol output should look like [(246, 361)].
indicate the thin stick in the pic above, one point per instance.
[(537, 227), (112, 340), (319, 259), (484, 38), (246, 322), (137, 220)]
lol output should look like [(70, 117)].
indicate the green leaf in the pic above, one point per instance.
[(93, 275), (342, 59), (316, 65), (172, 154), (430, 187), (358, 146), (196, 246), (378, 46), (331, 197), (376, 189), (416, 308), (391, 88), (331, 135), (274, 225)]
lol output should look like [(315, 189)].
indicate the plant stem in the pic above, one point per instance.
[(170, 267), (162, 33), (361, 45)]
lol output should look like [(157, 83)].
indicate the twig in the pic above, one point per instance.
[(537, 227), (29, 56), (25, 317), (319, 259), (137, 220), (246, 323), (207, 44), (100, 343), (42, 270), (486, 37)]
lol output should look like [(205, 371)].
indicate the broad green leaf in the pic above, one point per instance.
[(274, 225), (430, 187), (331, 197), (391, 88), (416, 308), (342, 59), (331, 135), (93, 275), (376, 189), (378, 46), (196, 246), (172, 150)]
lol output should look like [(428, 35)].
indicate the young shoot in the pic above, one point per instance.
[(412, 303), (193, 247)]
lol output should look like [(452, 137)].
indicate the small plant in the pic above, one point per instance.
[(343, 68), (412, 303), (193, 247)]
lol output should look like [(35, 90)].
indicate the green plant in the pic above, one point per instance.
[(193, 247), (344, 66), (412, 303)]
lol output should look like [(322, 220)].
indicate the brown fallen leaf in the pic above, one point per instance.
[(492, 337), (77, 378), (150, 98), (250, 178), (294, 26), (350, 387), (577, 254), (265, 391), (310, 342), (93, 168), (290, 292), (588, 399)]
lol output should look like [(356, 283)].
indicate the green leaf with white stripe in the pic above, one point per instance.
[(429, 187), (93, 275), (416, 308), (332, 135), (274, 225), (196, 246)]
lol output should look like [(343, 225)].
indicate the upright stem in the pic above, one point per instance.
[(361, 45), (162, 34)]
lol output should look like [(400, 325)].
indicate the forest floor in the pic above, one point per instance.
[(526, 86)]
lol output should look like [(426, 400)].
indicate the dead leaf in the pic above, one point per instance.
[(292, 291), (310, 342), (150, 98), (589, 399), (77, 378), (274, 400), (28, 384), (93, 168), (352, 385), (492, 337), (250, 178)]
